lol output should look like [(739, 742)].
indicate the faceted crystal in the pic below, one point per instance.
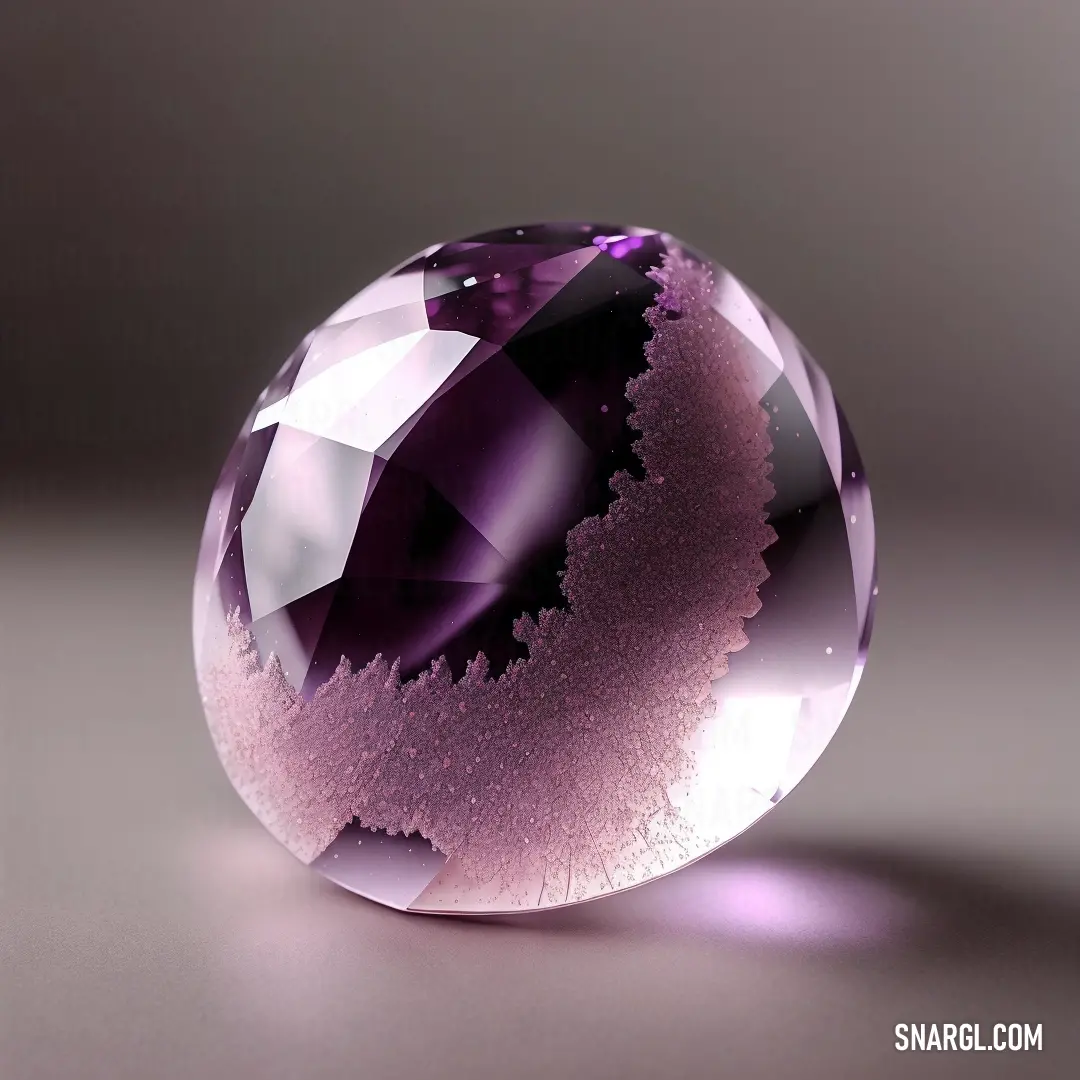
[(544, 566)]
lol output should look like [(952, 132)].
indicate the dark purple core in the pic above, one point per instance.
[(443, 559)]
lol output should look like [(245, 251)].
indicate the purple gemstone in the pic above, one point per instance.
[(544, 566)]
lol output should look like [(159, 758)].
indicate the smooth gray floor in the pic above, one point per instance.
[(928, 869)]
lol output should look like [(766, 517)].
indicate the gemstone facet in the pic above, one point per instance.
[(544, 566)]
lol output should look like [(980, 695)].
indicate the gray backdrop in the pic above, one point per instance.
[(186, 188)]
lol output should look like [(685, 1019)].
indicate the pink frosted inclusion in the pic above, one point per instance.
[(558, 451)]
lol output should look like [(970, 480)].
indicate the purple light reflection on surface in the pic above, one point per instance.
[(778, 901), (813, 905)]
